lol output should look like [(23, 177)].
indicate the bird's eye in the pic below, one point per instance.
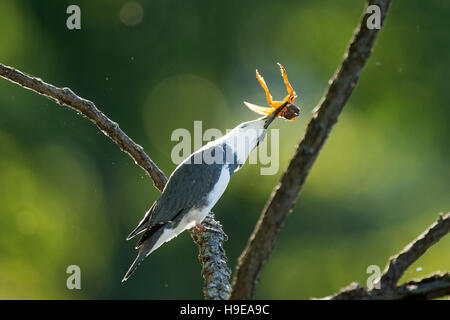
[(290, 112)]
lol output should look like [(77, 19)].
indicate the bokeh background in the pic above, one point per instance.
[(68, 195)]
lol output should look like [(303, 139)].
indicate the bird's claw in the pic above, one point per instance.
[(203, 228)]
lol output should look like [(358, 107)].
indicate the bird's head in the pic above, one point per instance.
[(247, 136)]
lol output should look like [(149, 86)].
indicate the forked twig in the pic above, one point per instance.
[(433, 286)]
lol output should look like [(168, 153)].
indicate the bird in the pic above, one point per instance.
[(198, 182)]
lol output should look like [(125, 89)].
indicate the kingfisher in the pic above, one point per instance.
[(197, 183)]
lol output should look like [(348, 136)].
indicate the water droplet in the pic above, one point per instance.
[(131, 13)]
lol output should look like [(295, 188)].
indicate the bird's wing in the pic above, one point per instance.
[(150, 241), (173, 200), (188, 187)]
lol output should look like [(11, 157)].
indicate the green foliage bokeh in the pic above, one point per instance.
[(68, 195)]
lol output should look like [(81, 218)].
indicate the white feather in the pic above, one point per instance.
[(196, 215)]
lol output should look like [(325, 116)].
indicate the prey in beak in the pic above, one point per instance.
[(285, 109), (271, 116)]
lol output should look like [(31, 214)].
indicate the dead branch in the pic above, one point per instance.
[(398, 264), (212, 253), (434, 286), (211, 256), (260, 244)]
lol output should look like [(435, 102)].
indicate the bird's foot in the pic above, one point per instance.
[(203, 228)]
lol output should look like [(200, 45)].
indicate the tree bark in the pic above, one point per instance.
[(211, 252), (261, 242), (434, 286)]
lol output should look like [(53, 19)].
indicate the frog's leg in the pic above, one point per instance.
[(264, 85), (291, 97)]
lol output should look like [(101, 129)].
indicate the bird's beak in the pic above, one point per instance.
[(270, 117)]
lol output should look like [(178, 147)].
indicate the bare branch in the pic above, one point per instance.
[(212, 253), (398, 264), (283, 198), (353, 291), (65, 96), (433, 286), (436, 285), (210, 244)]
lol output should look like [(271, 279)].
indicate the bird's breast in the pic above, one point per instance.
[(219, 187)]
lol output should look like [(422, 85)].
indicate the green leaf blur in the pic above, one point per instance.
[(68, 195)]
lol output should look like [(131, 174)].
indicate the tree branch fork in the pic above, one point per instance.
[(386, 288), (211, 253)]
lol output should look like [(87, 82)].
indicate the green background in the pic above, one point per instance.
[(68, 195)]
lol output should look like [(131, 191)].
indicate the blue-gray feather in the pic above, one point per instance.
[(188, 186)]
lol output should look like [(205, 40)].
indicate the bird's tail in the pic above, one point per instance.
[(143, 224), (146, 245), (140, 228), (141, 256)]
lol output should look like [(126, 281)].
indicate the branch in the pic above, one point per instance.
[(217, 284), (260, 244), (65, 96), (210, 243), (398, 264), (434, 286)]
